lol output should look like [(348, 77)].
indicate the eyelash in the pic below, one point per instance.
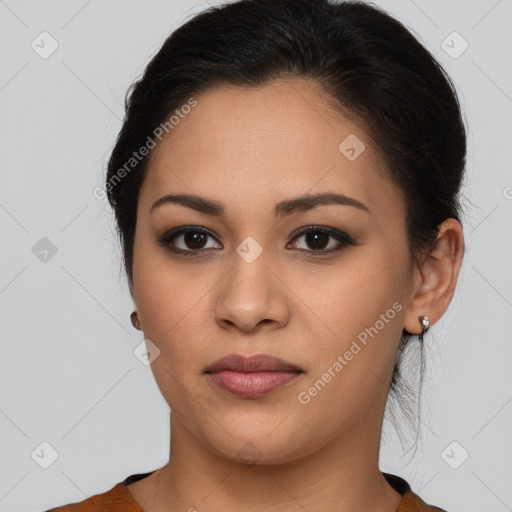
[(343, 238)]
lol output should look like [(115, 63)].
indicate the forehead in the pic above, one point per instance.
[(250, 147)]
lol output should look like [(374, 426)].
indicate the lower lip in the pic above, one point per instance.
[(252, 384)]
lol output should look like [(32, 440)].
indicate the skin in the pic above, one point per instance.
[(250, 149)]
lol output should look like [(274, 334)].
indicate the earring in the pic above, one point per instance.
[(425, 324), (135, 320)]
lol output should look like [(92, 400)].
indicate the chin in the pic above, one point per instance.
[(261, 446)]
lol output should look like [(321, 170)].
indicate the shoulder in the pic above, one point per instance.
[(117, 498), (411, 502)]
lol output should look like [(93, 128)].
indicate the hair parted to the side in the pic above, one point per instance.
[(371, 68)]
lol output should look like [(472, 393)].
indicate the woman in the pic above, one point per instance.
[(285, 186)]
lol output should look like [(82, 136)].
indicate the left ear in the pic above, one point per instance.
[(436, 277)]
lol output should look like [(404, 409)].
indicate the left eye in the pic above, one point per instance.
[(318, 238)]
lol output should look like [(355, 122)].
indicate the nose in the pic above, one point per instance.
[(252, 298)]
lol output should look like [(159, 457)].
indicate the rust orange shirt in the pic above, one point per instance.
[(119, 499)]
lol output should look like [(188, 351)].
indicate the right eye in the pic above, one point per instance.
[(193, 240)]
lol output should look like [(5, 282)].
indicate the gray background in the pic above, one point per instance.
[(67, 369)]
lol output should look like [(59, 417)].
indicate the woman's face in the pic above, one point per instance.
[(250, 287)]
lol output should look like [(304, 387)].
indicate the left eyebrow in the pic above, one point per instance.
[(283, 208), (309, 201)]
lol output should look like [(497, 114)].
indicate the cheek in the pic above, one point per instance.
[(175, 306), (352, 294), (172, 310), (360, 311), (349, 368)]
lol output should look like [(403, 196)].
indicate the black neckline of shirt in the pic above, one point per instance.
[(398, 483)]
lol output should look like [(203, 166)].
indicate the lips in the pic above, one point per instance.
[(257, 363), (253, 376)]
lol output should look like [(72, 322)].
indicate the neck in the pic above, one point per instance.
[(343, 475)]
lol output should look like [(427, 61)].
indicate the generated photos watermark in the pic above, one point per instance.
[(143, 151), (305, 397)]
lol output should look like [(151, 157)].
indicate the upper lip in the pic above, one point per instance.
[(256, 363)]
